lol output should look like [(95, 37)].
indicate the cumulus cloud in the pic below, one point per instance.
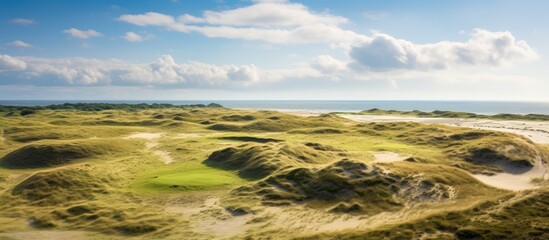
[(266, 14), (82, 34), (89, 72), (269, 21), (148, 19), (328, 64), (22, 21), (133, 37), (283, 22), (9, 63), (304, 34), (19, 43), (383, 52)]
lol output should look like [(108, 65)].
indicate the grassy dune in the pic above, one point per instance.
[(451, 114), (99, 172)]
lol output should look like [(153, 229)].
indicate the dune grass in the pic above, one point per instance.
[(451, 114), (69, 169)]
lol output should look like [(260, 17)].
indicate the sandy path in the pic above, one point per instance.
[(387, 157), (152, 141)]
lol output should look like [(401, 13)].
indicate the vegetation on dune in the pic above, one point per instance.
[(346, 186), (60, 186), (105, 218), (26, 110), (99, 169), (321, 130), (72, 199), (523, 217), (450, 114), (259, 160), (51, 153), (281, 124), (43, 132), (250, 139), (479, 151)]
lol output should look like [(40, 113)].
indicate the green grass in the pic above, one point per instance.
[(188, 178)]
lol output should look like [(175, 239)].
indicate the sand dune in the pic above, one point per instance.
[(538, 132)]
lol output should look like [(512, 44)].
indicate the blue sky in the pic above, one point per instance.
[(421, 50)]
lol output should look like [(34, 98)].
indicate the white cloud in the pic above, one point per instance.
[(22, 21), (304, 34), (383, 52), (82, 34), (268, 21), (19, 43), (148, 19), (133, 37), (266, 14), (283, 22), (9, 63), (166, 71), (328, 64), (86, 71)]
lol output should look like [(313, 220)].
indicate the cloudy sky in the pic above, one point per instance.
[(274, 49)]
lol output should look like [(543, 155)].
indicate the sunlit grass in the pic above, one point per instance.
[(192, 176)]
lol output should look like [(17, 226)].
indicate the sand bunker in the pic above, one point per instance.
[(387, 157), (147, 136), (515, 182)]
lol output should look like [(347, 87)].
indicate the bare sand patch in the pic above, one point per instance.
[(147, 136), (152, 142), (165, 156), (387, 157), (515, 182)]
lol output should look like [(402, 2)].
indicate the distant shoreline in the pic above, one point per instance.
[(325, 106)]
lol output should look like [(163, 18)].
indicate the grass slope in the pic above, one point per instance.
[(52, 153)]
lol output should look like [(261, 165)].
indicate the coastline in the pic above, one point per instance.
[(537, 131)]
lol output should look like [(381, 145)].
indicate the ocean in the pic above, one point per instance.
[(479, 107)]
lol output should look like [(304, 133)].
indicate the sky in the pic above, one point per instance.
[(274, 50)]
